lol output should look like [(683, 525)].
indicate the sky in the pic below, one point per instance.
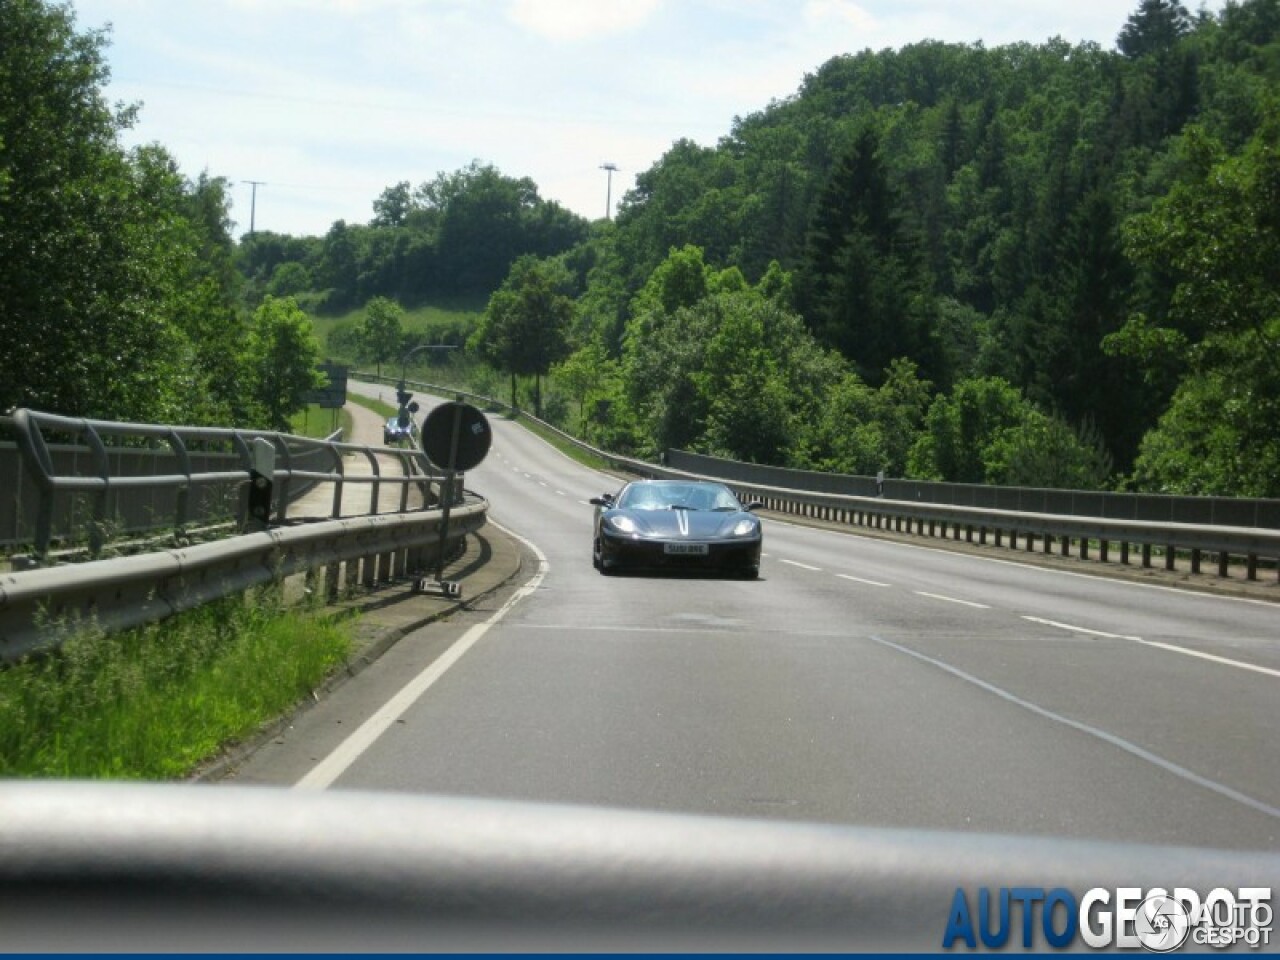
[(328, 102)]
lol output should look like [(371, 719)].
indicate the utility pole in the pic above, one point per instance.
[(253, 201), (610, 169)]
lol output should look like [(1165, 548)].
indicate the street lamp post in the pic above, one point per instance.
[(610, 169), (402, 394)]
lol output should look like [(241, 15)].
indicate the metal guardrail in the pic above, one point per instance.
[(39, 608), (1066, 532), (130, 478), (1158, 508)]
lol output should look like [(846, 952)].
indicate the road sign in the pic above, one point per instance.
[(456, 436), (332, 396)]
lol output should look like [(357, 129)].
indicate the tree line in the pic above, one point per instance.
[(1034, 263)]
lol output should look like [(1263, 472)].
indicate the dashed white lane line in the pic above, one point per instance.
[(541, 483), (802, 566), (1115, 741), (1074, 629), (561, 493), (1209, 656), (939, 596), (870, 583)]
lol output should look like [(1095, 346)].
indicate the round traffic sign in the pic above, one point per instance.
[(456, 436)]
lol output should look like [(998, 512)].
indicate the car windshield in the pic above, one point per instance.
[(881, 407), (678, 496)]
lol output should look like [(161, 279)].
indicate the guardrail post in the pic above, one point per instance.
[(182, 504), (1065, 547), (1224, 560), (1146, 556), (1103, 551), (1251, 566), (1169, 556), (1124, 552), (102, 466), (1084, 548), (1013, 539), (1048, 543), (1195, 559), (1031, 542)]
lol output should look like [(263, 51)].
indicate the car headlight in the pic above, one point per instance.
[(744, 528), (622, 523)]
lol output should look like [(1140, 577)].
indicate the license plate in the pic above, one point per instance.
[(685, 549)]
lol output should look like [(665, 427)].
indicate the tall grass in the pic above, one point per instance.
[(153, 702)]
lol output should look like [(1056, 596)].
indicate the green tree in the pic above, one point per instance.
[(82, 277), (1219, 233), (382, 331), (282, 353), (525, 328)]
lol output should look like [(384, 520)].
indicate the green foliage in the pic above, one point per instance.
[(117, 293), (985, 431), (525, 329), (154, 702), (381, 335), (283, 354), (1219, 235)]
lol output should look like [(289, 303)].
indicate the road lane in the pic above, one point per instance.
[(816, 693)]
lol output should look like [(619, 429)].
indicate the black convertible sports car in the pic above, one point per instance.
[(676, 524)]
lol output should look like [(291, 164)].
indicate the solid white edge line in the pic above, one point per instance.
[(939, 596), (1128, 747), (1210, 656), (802, 566), (870, 583), (1075, 629), (346, 753)]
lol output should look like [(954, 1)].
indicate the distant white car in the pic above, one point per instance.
[(394, 432)]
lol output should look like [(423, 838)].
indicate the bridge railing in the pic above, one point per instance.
[(77, 481)]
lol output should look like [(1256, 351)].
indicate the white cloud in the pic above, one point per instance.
[(573, 20)]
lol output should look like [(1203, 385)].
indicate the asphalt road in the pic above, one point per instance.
[(858, 681)]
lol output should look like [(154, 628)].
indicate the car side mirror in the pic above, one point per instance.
[(605, 501), (753, 506)]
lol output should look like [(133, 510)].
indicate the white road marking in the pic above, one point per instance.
[(870, 583), (938, 596), (1110, 738), (541, 483), (1209, 656), (346, 753), (802, 566), (561, 493), (1075, 629), (1022, 565), (586, 503)]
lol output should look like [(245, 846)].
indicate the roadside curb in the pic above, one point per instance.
[(496, 571)]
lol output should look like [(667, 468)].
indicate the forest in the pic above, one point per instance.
[(1040, 263)]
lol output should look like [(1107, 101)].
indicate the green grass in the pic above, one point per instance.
[(153, 702), (563, 445), (369, 403), (318, 423), (419, 320)]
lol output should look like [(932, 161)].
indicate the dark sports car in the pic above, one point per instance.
[(676, 524)]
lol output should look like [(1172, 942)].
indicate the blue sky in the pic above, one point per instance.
[(330, 101)]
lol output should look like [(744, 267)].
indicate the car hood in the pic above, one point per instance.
[(684, 524)]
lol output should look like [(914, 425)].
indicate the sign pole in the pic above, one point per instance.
[(450, 473)]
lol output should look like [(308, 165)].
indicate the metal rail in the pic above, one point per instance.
[(154, 476), (40, 608)]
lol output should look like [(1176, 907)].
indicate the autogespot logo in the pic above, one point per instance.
[(1125, 918)]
